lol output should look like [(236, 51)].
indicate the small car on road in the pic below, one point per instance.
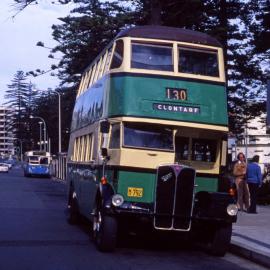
[(4, 167)]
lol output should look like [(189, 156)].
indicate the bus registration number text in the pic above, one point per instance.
[(176, 93), (135, 192)]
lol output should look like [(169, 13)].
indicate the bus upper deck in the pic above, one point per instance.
[(180, 79)]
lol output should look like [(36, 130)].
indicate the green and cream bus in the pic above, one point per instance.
[(149, 138)]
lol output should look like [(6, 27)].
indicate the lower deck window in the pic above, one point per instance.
[(181, 148), (148, 136), (195, 149), (204, 150), (115, 137)]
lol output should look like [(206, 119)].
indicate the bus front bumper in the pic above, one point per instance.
[(207, 207)]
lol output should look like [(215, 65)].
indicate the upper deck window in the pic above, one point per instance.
[(199, 62), (153, 57), (118, 54), (148, 136)]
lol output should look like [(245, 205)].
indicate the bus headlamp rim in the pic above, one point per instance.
[(232, 209), (117, 200)]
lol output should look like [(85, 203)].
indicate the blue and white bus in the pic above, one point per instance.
[(37, 163)]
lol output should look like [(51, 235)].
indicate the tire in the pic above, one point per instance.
[(104, 231), (221, 239), (73, 214)]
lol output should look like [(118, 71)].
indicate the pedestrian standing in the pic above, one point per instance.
[(254, 180), (239, 171)]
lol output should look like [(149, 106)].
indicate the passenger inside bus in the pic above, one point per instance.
[(201, 149)]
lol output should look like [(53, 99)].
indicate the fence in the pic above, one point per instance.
[(59, 166)]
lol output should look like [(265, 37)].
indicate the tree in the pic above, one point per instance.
[(94, 23), (17, 97), (46, 106)]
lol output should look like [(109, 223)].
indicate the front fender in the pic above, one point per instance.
[(106, 192), (213, 206)]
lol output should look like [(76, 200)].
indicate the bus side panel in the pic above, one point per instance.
[(146, 97)]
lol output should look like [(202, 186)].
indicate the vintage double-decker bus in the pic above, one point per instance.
[(149, 138)]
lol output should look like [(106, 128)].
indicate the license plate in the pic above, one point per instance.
[(135, 192)]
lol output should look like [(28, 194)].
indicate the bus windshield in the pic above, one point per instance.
[(37, 159), (33, 160), (154, 57), (148, 136)]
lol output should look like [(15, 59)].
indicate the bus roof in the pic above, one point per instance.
[(169, 33)]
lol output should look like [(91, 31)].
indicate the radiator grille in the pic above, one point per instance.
[(174, 197)]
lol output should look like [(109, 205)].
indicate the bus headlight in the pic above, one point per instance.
[(232, 209), (117, 200)]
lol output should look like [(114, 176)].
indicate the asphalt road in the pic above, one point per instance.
[(34, 235)]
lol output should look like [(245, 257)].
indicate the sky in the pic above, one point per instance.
[(18, 39)]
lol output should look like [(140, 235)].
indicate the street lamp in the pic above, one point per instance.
[(45, 128), (59, 122), (21, 148), (40, 134)]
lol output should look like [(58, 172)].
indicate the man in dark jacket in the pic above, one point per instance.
[(254, 180)]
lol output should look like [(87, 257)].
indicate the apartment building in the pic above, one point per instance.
[(6, 134), (254, 141)]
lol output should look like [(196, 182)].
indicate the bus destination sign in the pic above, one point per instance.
[(176, 108), (176, 93)]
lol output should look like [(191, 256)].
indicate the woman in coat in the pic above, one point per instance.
[(239, 171)]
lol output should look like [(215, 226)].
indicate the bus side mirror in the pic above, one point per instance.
[(104, 130), (105, 155), (104, 152)]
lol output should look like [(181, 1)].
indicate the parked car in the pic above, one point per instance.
[(4, 167), (8, 164)]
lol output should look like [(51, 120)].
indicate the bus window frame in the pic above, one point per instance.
[(108, 59), (190, 150), (113, 53), (201, 50), (93, 73), (89, 147), (123, 146), (100, 72), (153, 44), (80, 87), (89, 77), (120, 135), (82, 148), (104, 62), (98, 63), (176, 44)]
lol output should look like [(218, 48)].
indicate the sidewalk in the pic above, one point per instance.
[(251, 236)]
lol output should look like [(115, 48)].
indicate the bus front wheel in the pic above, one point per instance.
[(220, 240), (104, 231)]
